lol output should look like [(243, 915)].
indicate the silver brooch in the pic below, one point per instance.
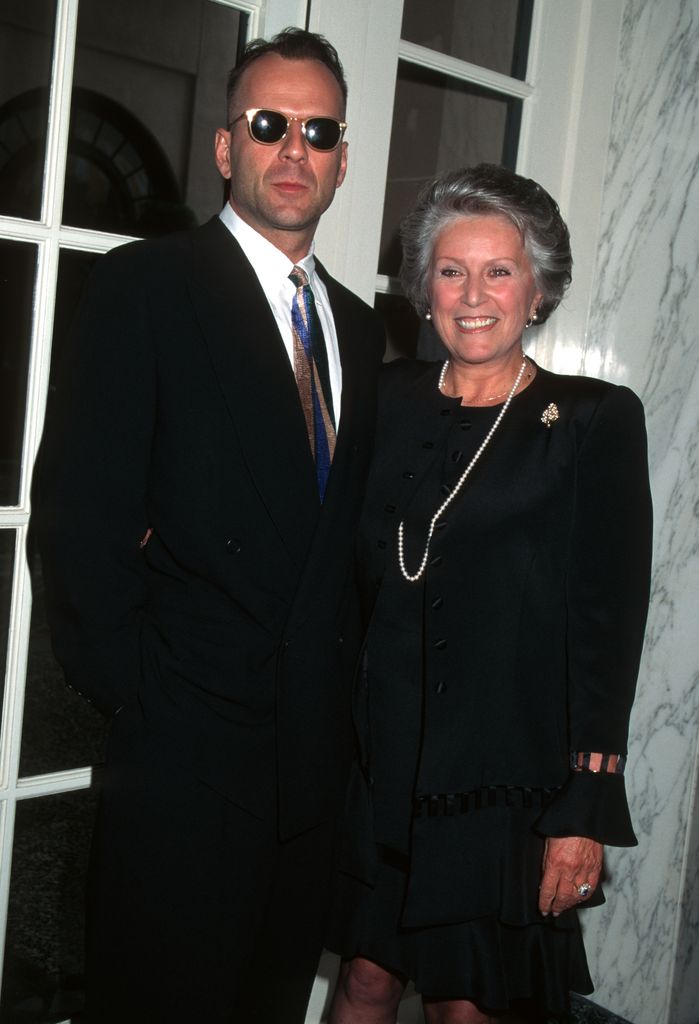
[(550, 414)]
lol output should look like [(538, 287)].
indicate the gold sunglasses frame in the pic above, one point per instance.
[(303, 121)]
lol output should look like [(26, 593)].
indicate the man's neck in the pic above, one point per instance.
[(295, 244)]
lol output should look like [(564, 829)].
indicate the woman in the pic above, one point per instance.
[(505, 554)]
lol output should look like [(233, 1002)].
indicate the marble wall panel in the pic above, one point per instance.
[(643, 331), (684, 997)]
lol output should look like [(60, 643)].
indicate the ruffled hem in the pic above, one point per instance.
[(590, 804), (477, 865), (486, 960)]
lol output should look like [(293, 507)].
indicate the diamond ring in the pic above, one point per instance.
[(584, 890)]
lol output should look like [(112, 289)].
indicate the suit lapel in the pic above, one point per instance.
[(350, 406), (257, 381)]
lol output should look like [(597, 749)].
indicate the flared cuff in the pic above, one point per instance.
[(591, 804)]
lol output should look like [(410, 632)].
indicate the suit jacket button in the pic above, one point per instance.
[(440, 644), (233, 546), (440, 686)]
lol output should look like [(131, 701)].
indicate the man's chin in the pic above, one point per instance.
[(296, 209), (293, 218)]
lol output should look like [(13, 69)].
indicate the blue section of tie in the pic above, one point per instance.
[(305, 327)]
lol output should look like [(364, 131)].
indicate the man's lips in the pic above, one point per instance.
[(290, 186)]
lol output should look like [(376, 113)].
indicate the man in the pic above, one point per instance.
[(198, 486)]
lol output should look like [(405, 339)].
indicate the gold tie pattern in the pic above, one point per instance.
[(309, 352)]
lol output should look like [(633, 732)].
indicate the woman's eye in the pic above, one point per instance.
[(449, 272), (500, 272)]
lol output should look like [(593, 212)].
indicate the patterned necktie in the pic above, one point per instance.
[(312, 379)]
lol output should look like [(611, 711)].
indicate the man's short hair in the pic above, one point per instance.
[(291, 44)]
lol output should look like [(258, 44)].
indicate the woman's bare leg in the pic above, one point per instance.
[(454, 1011), (365, 994)]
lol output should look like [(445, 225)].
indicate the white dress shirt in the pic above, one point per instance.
[(273, 268)]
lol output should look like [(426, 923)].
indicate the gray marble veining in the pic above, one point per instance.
[(642, 331)]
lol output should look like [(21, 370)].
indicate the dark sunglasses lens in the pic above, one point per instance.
[(322, 132), (268, 126)]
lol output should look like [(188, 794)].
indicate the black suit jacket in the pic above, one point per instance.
[(190, 568)]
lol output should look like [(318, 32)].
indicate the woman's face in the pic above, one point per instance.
[(482, 289)]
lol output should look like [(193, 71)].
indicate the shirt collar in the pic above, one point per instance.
[(266, 259)]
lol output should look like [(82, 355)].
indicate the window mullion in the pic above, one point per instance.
[(40, 358), (48, 249), (463, 70), (59, 110), (7, 821)]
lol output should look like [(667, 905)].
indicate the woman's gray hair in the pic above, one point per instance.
[(488, 189)]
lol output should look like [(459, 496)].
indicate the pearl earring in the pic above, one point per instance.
[(428, 315)]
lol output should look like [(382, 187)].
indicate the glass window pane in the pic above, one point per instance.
[(26, 39), (145, 107), (43, 975), (17, 273), (493, 34), (7, 561), (60, 729), (440, 123), (401, 323)]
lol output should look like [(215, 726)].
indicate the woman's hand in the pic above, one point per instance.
[(569, 862)]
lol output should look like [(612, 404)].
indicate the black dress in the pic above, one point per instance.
[(440, 883)]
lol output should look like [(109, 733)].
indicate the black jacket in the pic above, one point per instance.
[(535, 601), (189, 564)]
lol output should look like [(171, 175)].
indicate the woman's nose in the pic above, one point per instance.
[(472, 293)]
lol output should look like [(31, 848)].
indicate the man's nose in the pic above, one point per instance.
[(293, 146)]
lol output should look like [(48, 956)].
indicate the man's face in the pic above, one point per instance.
[(281, 190)]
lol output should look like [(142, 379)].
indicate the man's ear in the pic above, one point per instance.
[(222, 151), (342, 170)]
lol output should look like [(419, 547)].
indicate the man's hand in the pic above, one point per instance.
[(569, 862)]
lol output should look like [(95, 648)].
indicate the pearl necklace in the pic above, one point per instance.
[(412, 578)]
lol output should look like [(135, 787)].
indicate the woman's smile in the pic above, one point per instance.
[(475, 323), (482, 291)]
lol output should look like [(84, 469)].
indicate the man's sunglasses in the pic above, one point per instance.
[(271, 126)]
